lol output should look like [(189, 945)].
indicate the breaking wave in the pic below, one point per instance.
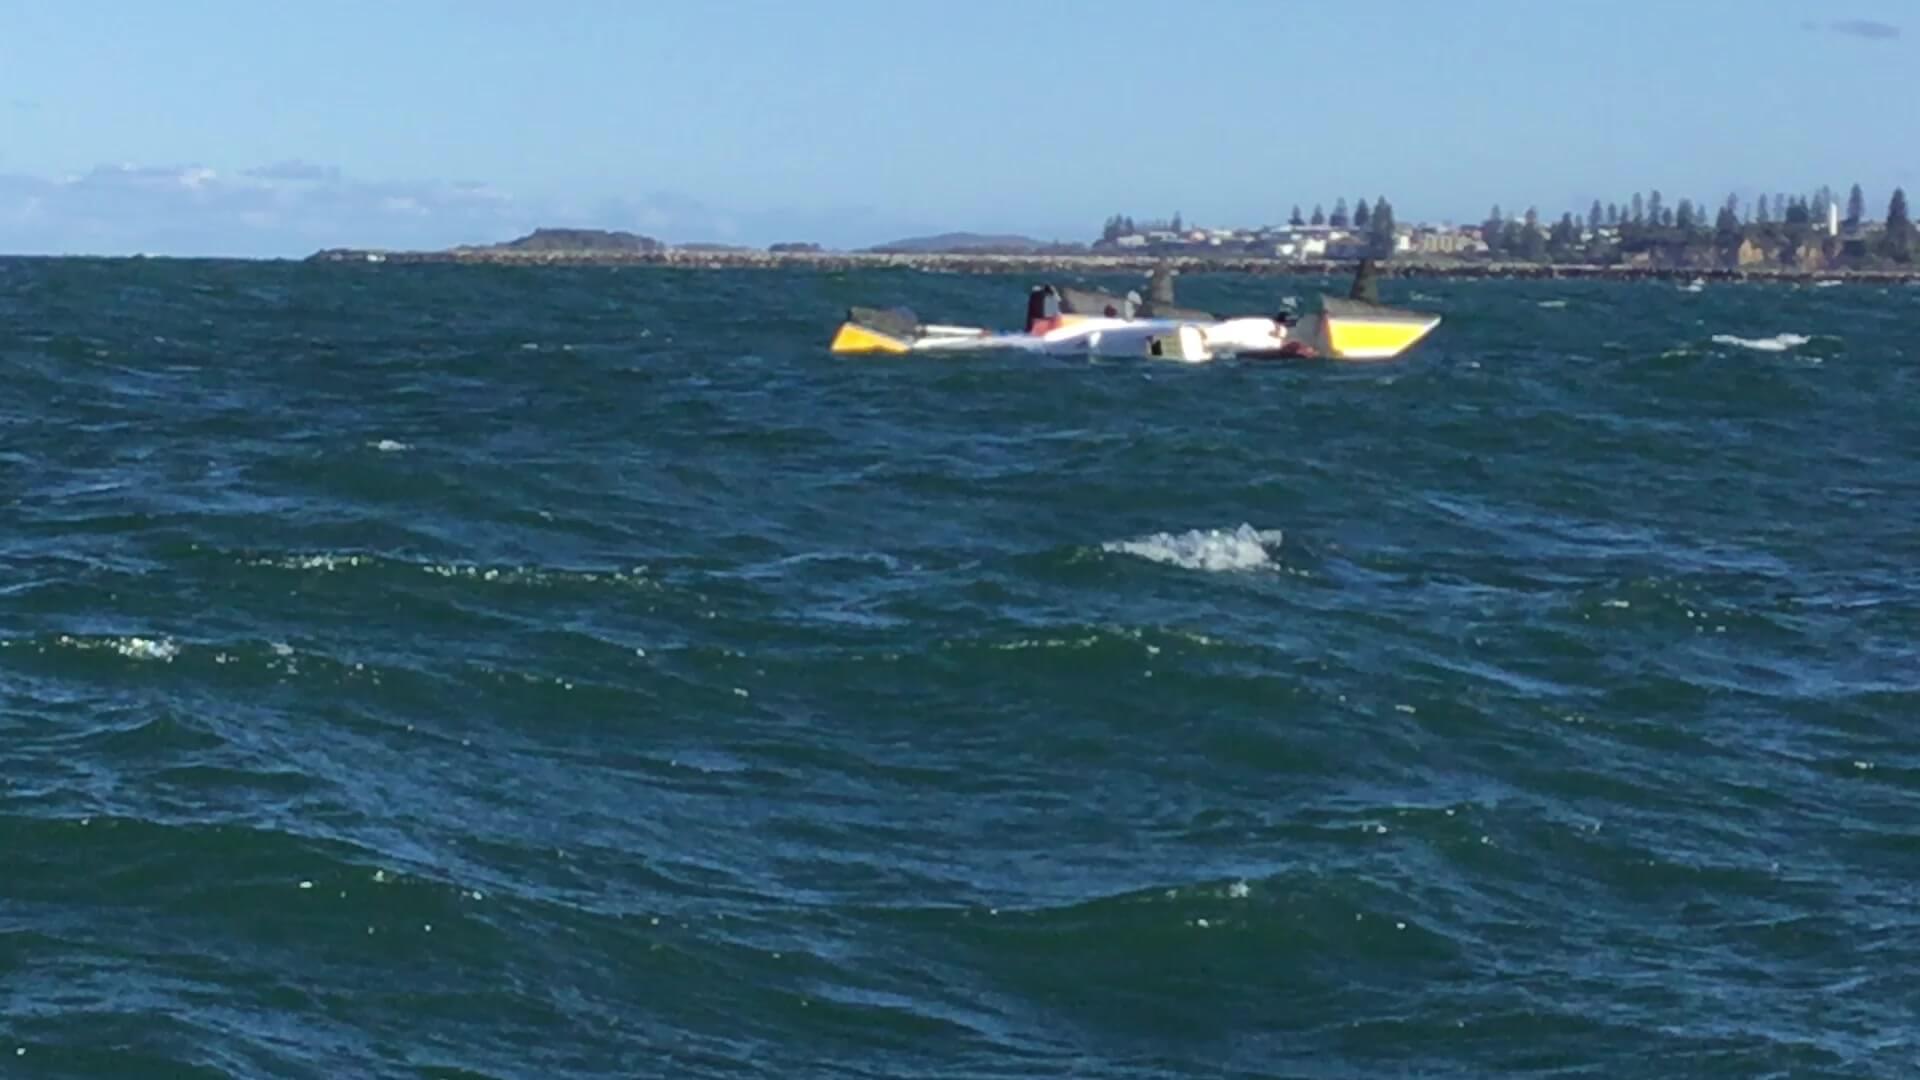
[(1776, 343), (1212, 550), (160, 649), (335, 562)]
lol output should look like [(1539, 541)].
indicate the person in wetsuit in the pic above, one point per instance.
[(1043, 308)]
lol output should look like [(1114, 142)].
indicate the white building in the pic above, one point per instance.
[(1300, 247)]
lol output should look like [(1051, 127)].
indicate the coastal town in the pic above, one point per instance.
[(1813, 232), (1779, 235)]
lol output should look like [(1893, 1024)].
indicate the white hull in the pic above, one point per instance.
[(1342, 329), (1168, 339)]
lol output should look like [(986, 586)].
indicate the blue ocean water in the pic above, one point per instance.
[(490, 672)]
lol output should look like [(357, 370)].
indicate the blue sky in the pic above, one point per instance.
[(249, 128)]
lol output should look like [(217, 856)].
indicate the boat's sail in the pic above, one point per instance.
[(1160, 302), (899, 322), (1088, 302)]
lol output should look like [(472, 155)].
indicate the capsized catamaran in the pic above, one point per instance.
[(1068, 321)]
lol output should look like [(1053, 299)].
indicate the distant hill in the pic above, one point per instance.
[(577, 240), (970, 243)]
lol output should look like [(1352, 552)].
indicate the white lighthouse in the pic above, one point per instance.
[(1833, 219)]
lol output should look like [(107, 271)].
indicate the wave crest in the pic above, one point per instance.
[(1776, 343), (1211, 550), (162, 649)]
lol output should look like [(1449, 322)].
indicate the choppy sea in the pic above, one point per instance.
[(467, 672)]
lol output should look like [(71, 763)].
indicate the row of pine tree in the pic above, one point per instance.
[(1650, 210), (1374, 220), (1641, 214), (1736, 218)]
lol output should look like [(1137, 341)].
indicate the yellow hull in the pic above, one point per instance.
[(1359, 339), (1343, 330), (854, 339), (1351, 330)]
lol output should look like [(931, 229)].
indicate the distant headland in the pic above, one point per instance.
[(588, 246)]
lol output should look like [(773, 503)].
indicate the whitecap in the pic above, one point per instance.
[(139, 648), (1776, 343), (1212, 550), (1046, 643), (133, 648), (319, 561), (1553, 303), (390, 446)]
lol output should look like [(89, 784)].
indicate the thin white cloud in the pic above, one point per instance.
[(298, 171), (292, 208), (1865, 28), (289, 209)]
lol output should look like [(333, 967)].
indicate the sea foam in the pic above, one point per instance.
[(133, 648), (1776, 343), (1212, 550)]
